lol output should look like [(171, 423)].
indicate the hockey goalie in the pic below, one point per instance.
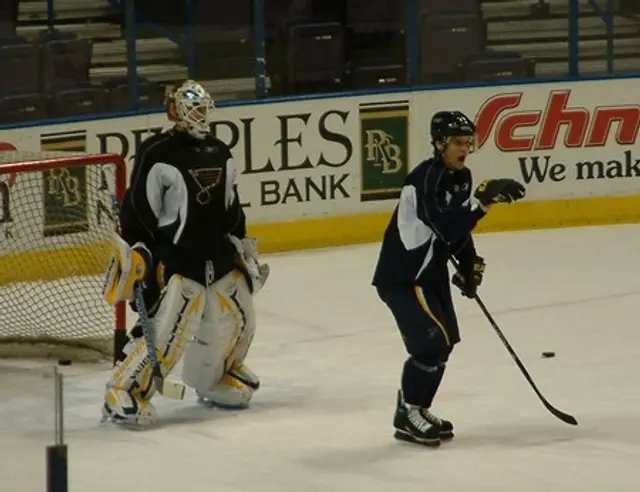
[(182, 247)]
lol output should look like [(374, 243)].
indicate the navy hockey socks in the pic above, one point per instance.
[(420, 383)]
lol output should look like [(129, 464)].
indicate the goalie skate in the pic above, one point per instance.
[(233, 391), (123, 408)]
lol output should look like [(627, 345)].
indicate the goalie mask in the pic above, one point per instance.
[(191, 107)]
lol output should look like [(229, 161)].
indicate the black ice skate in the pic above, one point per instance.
[(446, 427), (412, 426)]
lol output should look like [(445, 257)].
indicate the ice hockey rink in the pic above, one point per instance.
[(329, 358)]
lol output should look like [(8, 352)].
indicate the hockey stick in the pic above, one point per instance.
[(565, 417), (166, 387)]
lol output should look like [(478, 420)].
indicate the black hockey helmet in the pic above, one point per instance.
[(447, 124)]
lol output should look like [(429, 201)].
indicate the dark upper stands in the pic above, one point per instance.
[(315, 45), (79, 68), (48, 74)]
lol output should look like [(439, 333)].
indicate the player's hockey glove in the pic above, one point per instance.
[(468, 279), (501, 190)]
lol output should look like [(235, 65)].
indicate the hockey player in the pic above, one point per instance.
[(433, 220), (183, 238)]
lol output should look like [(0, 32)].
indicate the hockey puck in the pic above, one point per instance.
[(548, 355), (64, 362)]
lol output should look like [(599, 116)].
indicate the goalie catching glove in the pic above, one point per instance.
[(247, 260), (127, 266)]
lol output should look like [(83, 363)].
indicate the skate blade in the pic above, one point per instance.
[(208, 403), (446, 436), (405, 437), (128, 424)]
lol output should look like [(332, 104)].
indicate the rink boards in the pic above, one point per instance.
[(327, 171)]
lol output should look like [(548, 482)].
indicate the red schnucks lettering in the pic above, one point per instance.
[(628, 119), (556, 115), (501, 117)]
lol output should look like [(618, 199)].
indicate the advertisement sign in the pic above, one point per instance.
[(563, 140), (384, 140), (296, 159), (348, 156)]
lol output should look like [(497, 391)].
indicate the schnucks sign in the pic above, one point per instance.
[(564, 139), (517, 127)]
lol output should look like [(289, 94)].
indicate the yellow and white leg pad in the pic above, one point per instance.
[(176, 321), (221, 345)]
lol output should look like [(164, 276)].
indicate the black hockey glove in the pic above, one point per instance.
[(501, 190), (469, 280)]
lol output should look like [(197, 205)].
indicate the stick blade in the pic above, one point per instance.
[(568, 419), (565, 417), (173, 389)]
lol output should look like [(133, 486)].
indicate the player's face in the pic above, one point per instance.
[(456, 152)]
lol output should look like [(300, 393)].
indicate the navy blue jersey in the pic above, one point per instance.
[(432, 220)]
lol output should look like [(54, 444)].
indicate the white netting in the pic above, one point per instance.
[(56, 219)]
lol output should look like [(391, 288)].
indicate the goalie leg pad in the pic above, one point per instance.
[(235, 362), (214, 363), (130, 388), (239, 351), (175, 323)]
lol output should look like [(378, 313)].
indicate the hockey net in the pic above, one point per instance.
[(56, 221)]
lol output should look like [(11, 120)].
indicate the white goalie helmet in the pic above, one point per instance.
[(191, 107)]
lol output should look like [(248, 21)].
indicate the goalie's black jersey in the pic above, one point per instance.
[(181, 204)]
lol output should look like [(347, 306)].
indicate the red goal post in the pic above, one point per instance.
[(56, 222)]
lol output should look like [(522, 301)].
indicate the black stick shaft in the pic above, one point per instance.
[(565, 417)]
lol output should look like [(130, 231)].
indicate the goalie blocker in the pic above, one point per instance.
[(183, 238)]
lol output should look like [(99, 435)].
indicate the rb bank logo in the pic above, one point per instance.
[(66, 204), (384, 136)]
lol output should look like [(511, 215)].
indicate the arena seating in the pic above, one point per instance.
[(80, 65)]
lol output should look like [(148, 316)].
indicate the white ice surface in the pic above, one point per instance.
[(330, 358)]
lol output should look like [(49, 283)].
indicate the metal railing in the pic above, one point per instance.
[(606, 14)]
